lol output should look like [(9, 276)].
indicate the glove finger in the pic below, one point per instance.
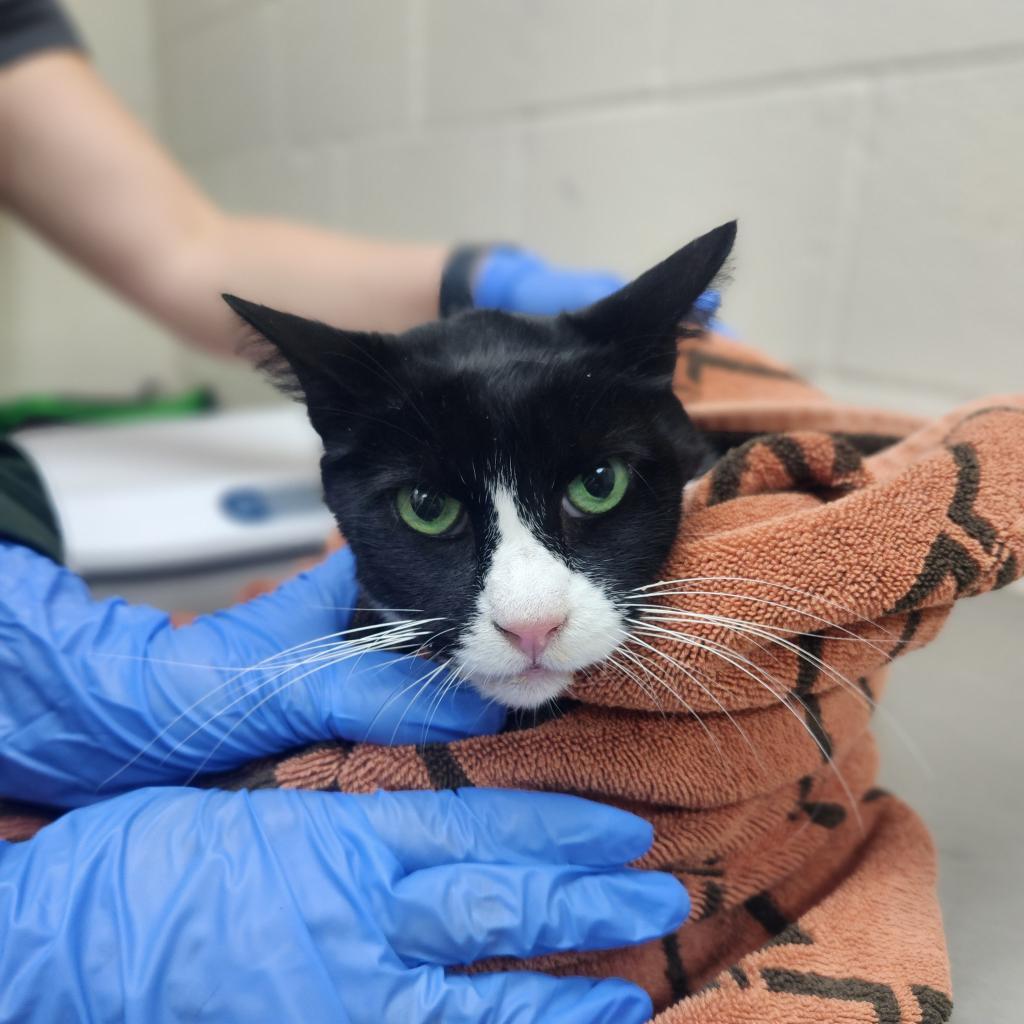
[(516, 996), (384, 697), (504, 826), (313, 605), (459, 914), (558, 290), (379, 697)]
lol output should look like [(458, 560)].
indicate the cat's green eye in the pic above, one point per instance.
[(428, 511), (598, 490)]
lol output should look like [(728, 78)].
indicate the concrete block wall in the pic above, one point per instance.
[(873, 152)]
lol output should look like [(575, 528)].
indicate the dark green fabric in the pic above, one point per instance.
[(26, 514)]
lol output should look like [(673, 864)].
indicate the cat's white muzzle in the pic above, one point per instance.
[(528, 585)]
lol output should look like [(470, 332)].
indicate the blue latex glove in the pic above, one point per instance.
[(519, 281), (100, 697), (177, 904)]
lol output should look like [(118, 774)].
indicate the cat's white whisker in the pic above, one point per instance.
[(326, 659), (391, 699), (691, 675), (632, 656), (628, 673), (356, 653), (420, 651), (434, 706), (423, 687), (760, 600), (271, 661), (748, 629), (740, 662), (653, 697), (857, 691), (360, 608), (654, 590), (679, 699)]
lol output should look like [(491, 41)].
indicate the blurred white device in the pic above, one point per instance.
[(183, 494)]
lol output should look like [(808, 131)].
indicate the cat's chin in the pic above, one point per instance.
[(527, 690)]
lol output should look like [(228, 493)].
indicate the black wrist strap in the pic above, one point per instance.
[(457, 279)]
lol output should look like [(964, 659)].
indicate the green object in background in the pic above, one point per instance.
[(38, 410)]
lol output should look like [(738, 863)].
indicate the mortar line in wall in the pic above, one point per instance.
[(213, 15), (858, 376), (661, 38), (651, 100), (770, 84), (517, 179), (830, 335), (271, 15), (416, 54)]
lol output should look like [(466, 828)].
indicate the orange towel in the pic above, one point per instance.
[(827, 542), (830, 539)]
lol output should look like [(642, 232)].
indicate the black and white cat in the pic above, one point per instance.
[(512, 477)]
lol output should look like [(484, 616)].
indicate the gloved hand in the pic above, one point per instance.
[(99, 697), (519, 281), (177, 904)]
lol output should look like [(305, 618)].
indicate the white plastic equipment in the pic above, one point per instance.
[(166, 495)]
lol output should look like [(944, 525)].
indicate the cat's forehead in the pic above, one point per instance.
[(477, 326), (488, 347), (488, 381), (523, 419), (497, 361)]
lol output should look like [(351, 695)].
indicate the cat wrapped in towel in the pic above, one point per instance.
[(687, 572)]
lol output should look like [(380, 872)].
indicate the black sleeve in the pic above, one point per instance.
[(26, 513), (27, 26)]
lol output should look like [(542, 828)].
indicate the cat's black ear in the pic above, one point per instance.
[(331, 369), (651, 308)]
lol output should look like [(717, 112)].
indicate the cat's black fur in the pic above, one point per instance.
[(483, 396)]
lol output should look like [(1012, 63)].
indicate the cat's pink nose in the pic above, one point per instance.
[(531, 637)]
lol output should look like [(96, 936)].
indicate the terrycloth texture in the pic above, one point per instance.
[(814, 892)]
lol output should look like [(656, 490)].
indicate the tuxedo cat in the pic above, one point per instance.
[(510, 477)]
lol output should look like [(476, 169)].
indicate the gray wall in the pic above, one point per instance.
[(872, 150)]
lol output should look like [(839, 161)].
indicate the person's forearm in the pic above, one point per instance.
[(357, 283), (83, 172)]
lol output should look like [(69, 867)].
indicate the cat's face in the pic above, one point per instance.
[(511, 477), (513, 482)]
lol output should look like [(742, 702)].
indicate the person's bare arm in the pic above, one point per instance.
[(77, 167)]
